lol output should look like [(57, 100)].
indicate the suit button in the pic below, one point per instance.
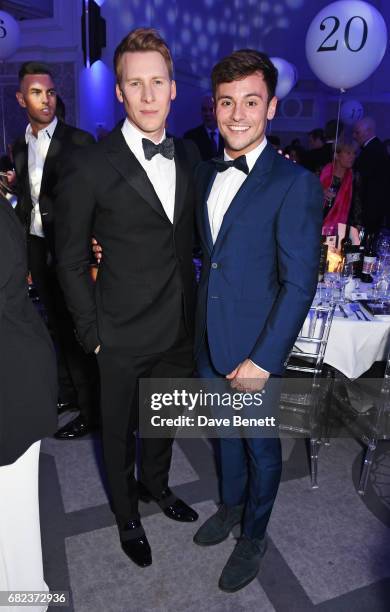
[(214, 265)]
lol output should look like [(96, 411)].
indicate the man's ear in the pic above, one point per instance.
[(119, 93), (272, 108), (173, 90), (20, 99)]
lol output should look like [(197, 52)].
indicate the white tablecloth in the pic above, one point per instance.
[(353, 346)]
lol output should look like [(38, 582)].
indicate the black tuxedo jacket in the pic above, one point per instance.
[(64, 142), (146, 276), (316, 159), (201, 138), (28, 393), (373, 166)]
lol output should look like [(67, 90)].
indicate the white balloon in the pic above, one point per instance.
[(351, 111), (346, 42), (9, 35), (287, 76)]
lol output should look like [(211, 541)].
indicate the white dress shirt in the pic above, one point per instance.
[(160, 170), (226, 186), (38, 147), (224, 189)]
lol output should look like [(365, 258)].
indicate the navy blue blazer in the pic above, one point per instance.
[(259, 279)]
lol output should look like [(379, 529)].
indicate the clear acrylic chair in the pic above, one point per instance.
[(361, 408), (307, 384)]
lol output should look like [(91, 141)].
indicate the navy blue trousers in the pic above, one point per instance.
[(250, 468)]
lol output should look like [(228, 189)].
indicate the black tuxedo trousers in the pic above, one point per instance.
[(119, 374)]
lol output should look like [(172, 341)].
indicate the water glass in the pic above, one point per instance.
[(381, 289)]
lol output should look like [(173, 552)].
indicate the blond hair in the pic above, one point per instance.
[(142, 39)]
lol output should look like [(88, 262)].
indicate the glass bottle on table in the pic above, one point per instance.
[(369, 260), (323, 260), (352, 253), (346, 241), (329, 232)]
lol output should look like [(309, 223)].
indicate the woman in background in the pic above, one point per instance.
[(342, 202), (28, 398)]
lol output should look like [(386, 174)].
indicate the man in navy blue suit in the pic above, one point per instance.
[(260, 225)]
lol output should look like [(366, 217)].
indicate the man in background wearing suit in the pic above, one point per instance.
[(373, 166), (318, 157), (206, 136), (260, 226), (38, 157), (133, 191)]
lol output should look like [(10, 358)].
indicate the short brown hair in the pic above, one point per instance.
[(142, 39), (241, 64)]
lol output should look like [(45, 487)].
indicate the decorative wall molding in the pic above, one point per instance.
[(52, 39)]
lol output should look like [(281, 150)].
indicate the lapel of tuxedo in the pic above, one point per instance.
[(254, 180), (205, 181), (125, 162), (56, 143), (182, 175), (24, 205)]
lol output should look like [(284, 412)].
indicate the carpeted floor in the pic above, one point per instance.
[(329, 549)]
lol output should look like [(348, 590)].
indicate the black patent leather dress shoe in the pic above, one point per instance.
[(173, 507), (135, 544), (65, 406), (76, 428)]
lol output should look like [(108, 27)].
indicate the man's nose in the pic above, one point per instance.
[(238, 112), (147, 92)]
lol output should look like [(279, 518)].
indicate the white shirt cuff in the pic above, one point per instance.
[(258, 367)]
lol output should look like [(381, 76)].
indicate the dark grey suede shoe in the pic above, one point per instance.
[(243, 564), (217, 528)]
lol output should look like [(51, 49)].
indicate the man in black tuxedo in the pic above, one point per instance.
[(133, 191), (206, 136), (38, 157), (373, 166), (317, 158)]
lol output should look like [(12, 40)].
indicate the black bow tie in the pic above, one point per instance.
[(165, 148), (240, 163)]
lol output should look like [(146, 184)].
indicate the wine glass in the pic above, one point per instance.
[(330, 287), (345, 274)]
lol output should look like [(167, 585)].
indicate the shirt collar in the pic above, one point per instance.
[(367, 141), (252, 156), (46, 132), (134, 137)]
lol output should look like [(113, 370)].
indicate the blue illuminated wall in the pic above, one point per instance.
[(200, 32)]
